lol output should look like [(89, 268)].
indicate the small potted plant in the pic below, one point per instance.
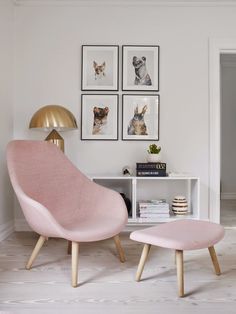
[(153, 153)]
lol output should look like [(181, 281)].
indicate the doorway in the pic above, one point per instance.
[(217, 47), (228, 136)]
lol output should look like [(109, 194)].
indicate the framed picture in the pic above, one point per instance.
[(140, 68), (99, 117), (140, 117), (100, 66)]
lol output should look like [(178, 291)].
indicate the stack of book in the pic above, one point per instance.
[(153, 211), (151, 169)]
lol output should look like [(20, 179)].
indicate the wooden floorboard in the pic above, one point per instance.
[(108, 286), (228, 213)]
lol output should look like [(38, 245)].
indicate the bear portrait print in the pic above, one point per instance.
[(140, 68)]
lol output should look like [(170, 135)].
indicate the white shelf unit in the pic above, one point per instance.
[(147, 188)]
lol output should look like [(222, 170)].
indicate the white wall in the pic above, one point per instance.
[(48, 67), (6, 116), (228, 126)]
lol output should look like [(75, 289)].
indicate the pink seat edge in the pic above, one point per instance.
[(176, 240)]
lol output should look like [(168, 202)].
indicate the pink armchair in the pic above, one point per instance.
[(59, 201)]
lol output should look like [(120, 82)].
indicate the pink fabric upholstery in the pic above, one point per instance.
[(57, 199), (181, 234)]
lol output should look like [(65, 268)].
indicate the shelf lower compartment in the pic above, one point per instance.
[(137, 189)]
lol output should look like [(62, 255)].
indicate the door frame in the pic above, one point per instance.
[(217, 47)]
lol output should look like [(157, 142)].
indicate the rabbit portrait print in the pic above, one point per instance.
[(140, 117), (137, 125)]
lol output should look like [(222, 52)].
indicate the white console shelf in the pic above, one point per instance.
[(147, 188)]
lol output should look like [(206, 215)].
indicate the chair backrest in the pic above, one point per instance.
[(52, 191), (40, 171)]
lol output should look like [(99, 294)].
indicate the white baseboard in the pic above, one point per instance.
[(21, 225), (228, 196), (6, 229)]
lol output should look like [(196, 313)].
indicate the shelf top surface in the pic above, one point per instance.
[(120, 177)]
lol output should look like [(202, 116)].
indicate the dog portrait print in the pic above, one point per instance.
[(141, 74), (99, 70), (100, 120), (137, 125)]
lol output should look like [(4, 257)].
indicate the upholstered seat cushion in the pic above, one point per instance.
[(181, 234)]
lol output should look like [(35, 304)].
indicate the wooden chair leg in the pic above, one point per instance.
[(36, 250), (119, 248), (74, 264), (214, 259), (142, 261), (69, 245), (180, 272)]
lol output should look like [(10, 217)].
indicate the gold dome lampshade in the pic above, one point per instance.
[(54, 118)]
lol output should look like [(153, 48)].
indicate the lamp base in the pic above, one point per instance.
[(55, 138)]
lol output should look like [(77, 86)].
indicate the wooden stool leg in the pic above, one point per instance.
[(180, 272), (36, 250), (74, 264), (69, 245), (119, 248), (142, 261), (214, 259)]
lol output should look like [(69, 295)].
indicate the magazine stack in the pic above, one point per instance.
[(153, 210), (151, 169)]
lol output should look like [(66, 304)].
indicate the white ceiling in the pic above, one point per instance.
[(129, 2)]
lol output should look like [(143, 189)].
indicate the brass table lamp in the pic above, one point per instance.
[(55, 118)]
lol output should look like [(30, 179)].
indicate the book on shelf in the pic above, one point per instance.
[(153, 206), (167, 215), (152, 202), (150, 173), (156, 205), (154, 211), (143, 220), (151, 166)]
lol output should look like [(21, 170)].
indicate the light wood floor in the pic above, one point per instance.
[(228, 213), (107, 286)]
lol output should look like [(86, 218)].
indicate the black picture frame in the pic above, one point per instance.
[(96, 124), (140, 68), (140, 117), (100, 68)]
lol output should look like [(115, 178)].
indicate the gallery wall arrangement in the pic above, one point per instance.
[(140, 111)]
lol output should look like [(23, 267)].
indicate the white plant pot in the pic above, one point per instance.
[(153, 158)]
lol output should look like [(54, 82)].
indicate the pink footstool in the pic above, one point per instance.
[(180, 235)]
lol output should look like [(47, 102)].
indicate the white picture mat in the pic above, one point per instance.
[(100, 101), (152, 64), (100, 54)]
